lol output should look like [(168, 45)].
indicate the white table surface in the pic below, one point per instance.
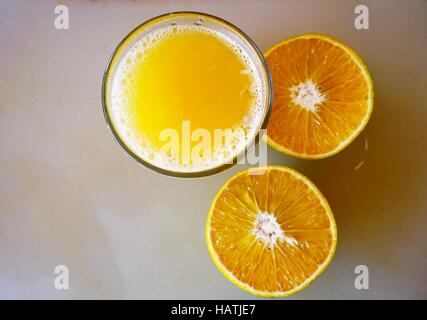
[(69, 195)]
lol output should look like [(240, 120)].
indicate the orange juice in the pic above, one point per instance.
[(193, 81)]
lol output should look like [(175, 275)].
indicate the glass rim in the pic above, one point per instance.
[(189, 174)]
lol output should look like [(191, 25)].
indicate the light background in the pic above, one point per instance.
[(69, 195)]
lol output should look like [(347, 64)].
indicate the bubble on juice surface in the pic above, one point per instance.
[(143, 146)]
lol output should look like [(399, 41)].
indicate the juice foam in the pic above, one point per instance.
[(183, 76)]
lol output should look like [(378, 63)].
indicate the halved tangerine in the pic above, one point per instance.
[(323, 96), (270, 231)]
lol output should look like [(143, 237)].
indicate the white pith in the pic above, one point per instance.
[(307, 95), (268, 231)]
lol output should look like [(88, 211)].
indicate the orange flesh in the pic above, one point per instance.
[(338, 78), (300, 214)]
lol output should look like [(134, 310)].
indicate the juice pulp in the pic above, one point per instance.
[(185, 74)]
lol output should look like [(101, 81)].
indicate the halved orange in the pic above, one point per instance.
[(323, 96), (270, 231)]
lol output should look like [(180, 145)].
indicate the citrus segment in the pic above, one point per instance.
[(323, 96), (270, 231)]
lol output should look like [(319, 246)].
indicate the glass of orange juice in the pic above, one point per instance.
[(186, 94)]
